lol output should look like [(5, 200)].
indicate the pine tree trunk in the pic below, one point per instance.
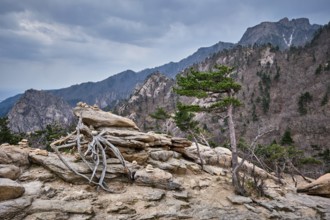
[(232, 136), (197, 146), (234, 157)]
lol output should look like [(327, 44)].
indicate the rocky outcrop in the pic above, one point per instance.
[(37, 109), (166, 183), (320, 187), (93, 116), (157, 88)]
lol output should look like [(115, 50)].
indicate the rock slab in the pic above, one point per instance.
[(320, 187), (157, 178), (9, 171), (10, 189), (11, 208), (77, 207)]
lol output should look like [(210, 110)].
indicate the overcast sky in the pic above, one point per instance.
[(49, 44)]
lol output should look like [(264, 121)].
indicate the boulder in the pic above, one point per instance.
[(161, 155), (155, 195), (77, 207), (172, 165), (9, 171), (97, 118), (235, 199), (12, 208), (157, 178), (213, 156), (14, 155), (320, 187), (10, 189)]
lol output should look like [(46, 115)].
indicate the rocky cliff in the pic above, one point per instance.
[(157, 88), (282, 90), (284, 33), (37, 109)]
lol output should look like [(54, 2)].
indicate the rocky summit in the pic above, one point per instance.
[(284, 33), (166, 181)]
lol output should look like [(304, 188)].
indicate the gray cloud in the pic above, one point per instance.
[(52, 44)]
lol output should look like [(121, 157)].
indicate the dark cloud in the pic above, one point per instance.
[(72, 41)]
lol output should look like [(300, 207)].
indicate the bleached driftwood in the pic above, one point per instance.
[(94, 156)]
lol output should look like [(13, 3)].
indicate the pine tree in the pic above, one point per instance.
[(5, 134), (186, 123), (161, 115), (222, 88), (287, 139)]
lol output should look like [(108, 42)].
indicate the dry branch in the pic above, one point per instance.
[(94, 157)]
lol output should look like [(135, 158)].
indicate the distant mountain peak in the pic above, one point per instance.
[(284, 33), (36, 109)]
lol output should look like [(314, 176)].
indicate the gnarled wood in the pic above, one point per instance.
[(94, 156)]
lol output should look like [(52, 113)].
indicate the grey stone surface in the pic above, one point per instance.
[(9, 171), (320, 187), (155, 195), (77, 207), (158, 179), (11, 208), (10, 189), (14, 155), (235, 199)]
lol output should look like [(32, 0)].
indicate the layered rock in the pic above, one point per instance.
[(10, 189), (166, 183), (93, 116), (320, 187)]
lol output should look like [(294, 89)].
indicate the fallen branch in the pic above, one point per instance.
[(94, 157)]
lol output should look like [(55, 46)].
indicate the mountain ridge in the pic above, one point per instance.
[(284, 33), (107, 92), (283, 91)]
